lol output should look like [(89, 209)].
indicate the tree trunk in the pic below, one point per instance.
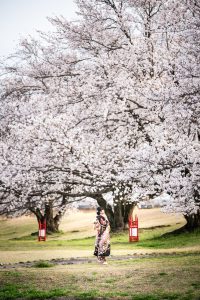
[(193, 221), (128, 212), (52, 222), (52, 226), (118, 217), (108, 209), (123, 210)]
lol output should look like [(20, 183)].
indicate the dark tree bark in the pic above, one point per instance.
[(128, 212), (118, 217), (108, 209), (52, 222), (123, 210), (193, 221)]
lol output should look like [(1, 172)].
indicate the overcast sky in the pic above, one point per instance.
[(19, 18)]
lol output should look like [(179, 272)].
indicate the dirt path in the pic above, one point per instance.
[(82, 260)]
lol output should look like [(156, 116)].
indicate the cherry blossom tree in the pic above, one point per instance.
[(109, 103)]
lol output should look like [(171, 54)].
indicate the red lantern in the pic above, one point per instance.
[(42, 231), (133, 229)]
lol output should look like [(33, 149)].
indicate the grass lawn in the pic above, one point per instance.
[(166, 277), (77, 238), (173, 273)]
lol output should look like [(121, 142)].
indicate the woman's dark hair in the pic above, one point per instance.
[(99, 209)]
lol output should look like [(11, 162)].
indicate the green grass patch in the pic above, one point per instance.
[(12, 273), (110, 280), (13, 291), (157, 240), (162, 274), (89, 295), (196, 285), (43, 264), (171, 241), (152, 278), (16, 235), (118, 242), (162, 296)]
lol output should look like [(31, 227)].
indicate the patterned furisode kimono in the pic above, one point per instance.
[(102, 243)]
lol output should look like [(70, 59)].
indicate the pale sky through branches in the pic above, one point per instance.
[(19, 18)]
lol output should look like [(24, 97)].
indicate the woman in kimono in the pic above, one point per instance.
[(102, 243)]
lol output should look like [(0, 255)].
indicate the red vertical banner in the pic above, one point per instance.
[(133, 229), (42, 231)]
